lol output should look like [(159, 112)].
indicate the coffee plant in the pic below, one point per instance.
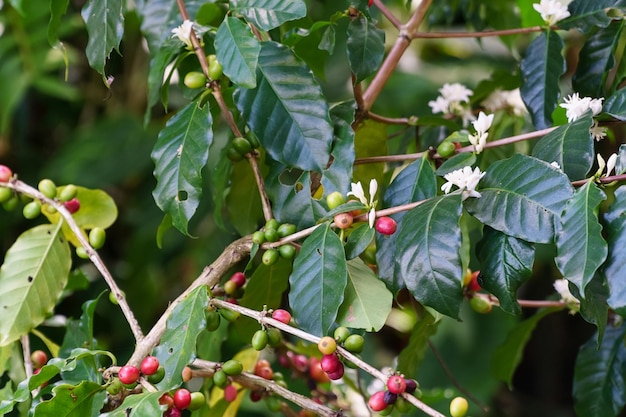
[(348, 200)]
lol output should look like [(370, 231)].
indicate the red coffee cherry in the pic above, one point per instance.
[(72, 206), (230, 393), (330, 363), (182, 398), (149, 365), (337, 374), (239, 278), (377, 401), (396, 384), (343, 220), (39, 358), (128, 374), (282, 315), (386, 226), (5, 173)]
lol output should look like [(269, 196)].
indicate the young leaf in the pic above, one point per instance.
[(287, 110), (105, 24), (522, 197), (570, 146), (318, 281), (615, 266), (32, 278), (427, 254), (505, 264), (180, 153), (366, 47), (367, 301), (178, 343), (599, 388), (541, 69), (269, 14), (593, 305), (237, 51), (84, 399), (580, 247)]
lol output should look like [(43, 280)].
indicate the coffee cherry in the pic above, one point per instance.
[(187, 374), (335, 199), (167, 400), (327, 345), (172, 412), (128, 374), (287, 251), (282, 316), (158, 376), (233, 155), (32, 210), (5, 173), (114, 387), (232, 367), (390, 398), (72, 206), (386, 225), (230, 393), (194, 79), (212, 320), (377, 401), (39, 358), (259, 340), (68, 192), (82, 254), (256, 396), (472, 284), (446, 149), (402, 405), (112, 297), (229, 315), (274, 337), (271, 235), (258, 237), (97, 236), (343, 220), (220, 379), (265, 373), (270, 257), (215, 70), (182, 398), (197, 401), (396, 384), (286, 229), (242, 145), (458, 407), (330, 363), (47, 188), (11, 203), (230, 287), (411, 385), (300, 362), (5, 194), (273, 403), (271, 224), (149, 365), (354, 343), (341, 334), (337, 374), (316, 372), (239, 278), (261, 363), (480, 304)]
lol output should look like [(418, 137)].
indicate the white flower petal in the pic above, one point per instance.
[(371, 217), (610, 164), (357, 191), (373, 189)]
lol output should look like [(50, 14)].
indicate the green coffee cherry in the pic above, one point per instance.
[(47, 188), (446, 149), (197, 401), (258, 237), (233, 155), (220, 379), (273, 403), (97, 236), (354, 343), (242, 145), (32, 209), (287, 251), (271, 235), (274, 337), (232, 367), (254, 141), (11, 203), (82, 253), (158, 376), (229, 315), (212, 320), (270, 257), (286, 229), (5, 194), (194, 79), (335, 199), (215, 70), (114, 387), (271, 224), (341, 334), (259, 340), (68, 192)]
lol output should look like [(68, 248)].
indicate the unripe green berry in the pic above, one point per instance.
[(287, 251), (233, 155), (271, 224), (354, 343), (341, 334), (112, 297), (259, 340), (286, 229), (232, 367), (67, 193), (229, 315), (220, 379), (197, 401), (32, 209), (446, 149), (97, 236), (194, 79), (274, 337), (158, 376), (212, 320), (335, 199), (114, 387), (270, 257), (242, 145), (480, 304), (273, 403), (458, 407), (258, 237), (215, 70), (271, 235), (5, 194), (82, 253), (11, 203), (47, 188)]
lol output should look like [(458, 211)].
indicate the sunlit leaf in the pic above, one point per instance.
[(268, 14)]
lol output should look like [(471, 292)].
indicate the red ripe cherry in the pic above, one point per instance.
[(230, 393), (396, 384), (301, 363), (256, 396), (316, 372), (265, 373), (5, 173), (172, 412), (182, 398), (377, 401), (390, 398), (386, 226), (282, 316), (239, 278), (128, 374), (473, 284), (343, 220), (38, 358), (336, 374), (166, 399), (330, 363), (72, 206), (369, 3), (149, 365)]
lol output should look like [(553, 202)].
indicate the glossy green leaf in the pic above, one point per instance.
[(287, 110), (615, 266), (541, 68), (269, 14), (599, 386), (505, 264), (585, 15), (358, 240), (522, 197), (366, 47), (414, 183), (412, 355), (32, 278), (595, 60), (84, 399), (180, 153), (318, 281), (570, 146), (139, 405), (509, 354), (458, 161), (337, 176), (58, 8), (178, 343), (243, 201), (159, 17), (237, 51), (594, 307), (156, 74), (367, 302), (428, 254), (580, 247), (616, 105), (105, 24)]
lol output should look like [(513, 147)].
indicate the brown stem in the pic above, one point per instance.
[(387, 13), (389, 120), (258, 176), (602, 180), (504, 32), (541, 303), (197, 48)]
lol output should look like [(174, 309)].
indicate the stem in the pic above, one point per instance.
[(28, 363), (197, 48), (265, 201), (387, 13), (487, 33)]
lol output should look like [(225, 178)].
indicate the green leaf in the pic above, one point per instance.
[(269, 14), (585, 15), (599, 388), (243, 201), (58, 8), (178, 343), (105, 24), (413, 353), (580, 246), (616, 105), (595, 60), (32, 278), (287, 110), (84, 399), (428, 254), (318, 281), (507, 356), (569, 145), (414, 183), (370, 139), (593, 305), (237, 51), (505, 264), (615, 266), (159, 17), (180, 153), (458, 161), (541, 69), (522, 197), (358, 240), (158, 64), (367, 302), (366, 47), (139, 405), (337, 176)]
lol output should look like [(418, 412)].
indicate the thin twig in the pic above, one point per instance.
[(260, 183), (28, 363), (387, 13), (484, 34)]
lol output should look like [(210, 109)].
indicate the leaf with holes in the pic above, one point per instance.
[(428, 254), (237, 51), (84, 399), (105, 24), (32, 278), (366, 47), (180, 153), (269, 14), (318, 281)]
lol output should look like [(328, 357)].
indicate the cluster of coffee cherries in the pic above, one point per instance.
[(272, 232), (385, 401), (214, 316), (331, 363), (38, 358), (270, 336), (240, 147), (384, 225), (480, 303), (196, 79)]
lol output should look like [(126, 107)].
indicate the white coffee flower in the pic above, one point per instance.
[(481, 125), (465, 179), (562, 287), (456, 92), (510, 101), (357, 191), (552, 11), (183, 33), (576, 106), (453, 99), (439, 105), (597, 132)]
